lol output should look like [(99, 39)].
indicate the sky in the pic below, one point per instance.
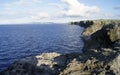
[(58, 11)]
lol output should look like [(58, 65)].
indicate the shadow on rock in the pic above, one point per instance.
[(44, 64)]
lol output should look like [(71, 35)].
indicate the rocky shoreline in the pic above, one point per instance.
[(101, 54)]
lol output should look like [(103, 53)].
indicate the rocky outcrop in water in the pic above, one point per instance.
[(101, 54), (44, 64)]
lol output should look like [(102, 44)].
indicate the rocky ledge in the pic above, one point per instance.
[(101, 54)]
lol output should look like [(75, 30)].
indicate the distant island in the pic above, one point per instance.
[(101, 54)]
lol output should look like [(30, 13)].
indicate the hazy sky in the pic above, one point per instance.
[(25, 11)]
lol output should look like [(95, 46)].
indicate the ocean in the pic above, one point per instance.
[(24, 40)]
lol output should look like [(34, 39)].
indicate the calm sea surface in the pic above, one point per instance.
[(19, 41)]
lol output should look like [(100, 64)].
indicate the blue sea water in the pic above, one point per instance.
[(19, 41)]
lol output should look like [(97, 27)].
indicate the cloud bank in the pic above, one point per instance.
[(75, 8), (22, 11)]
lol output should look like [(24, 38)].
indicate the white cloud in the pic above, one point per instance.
[(40, 15), (27, 2), (56, 5), (16, 20), (75, 8), (110, 16), (22, 9)]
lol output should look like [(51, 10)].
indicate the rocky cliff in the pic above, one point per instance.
[(101, 54), (102, 41)]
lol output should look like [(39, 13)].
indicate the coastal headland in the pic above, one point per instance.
[(100, 56)]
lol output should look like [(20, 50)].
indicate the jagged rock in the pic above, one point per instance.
[(38, 65), (103, 43), (101, 54), (115, 66), (44, 64), (114, 33), (101, 36), (74, 66)]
